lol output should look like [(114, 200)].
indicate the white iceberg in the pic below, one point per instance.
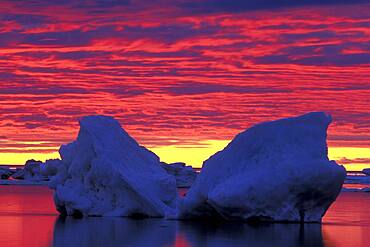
[(30, 172), (106, 173), (50, 168), (18, 174), (37, 171), (184, 175), (5, 172), (274, 171)]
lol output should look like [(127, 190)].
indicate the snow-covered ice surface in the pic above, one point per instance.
[(274, 171), (184, 175), (35, 172), (106, 173), (50, 168), (30, 172), (5, 173)]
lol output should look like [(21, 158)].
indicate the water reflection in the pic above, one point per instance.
[(111, 232), (156, 232), (28, 218), (239, 234)]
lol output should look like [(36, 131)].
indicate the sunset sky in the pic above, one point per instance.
[(182, 77)]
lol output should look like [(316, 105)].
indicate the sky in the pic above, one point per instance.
[(182, 77)]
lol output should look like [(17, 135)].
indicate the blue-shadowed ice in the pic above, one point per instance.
[(274, 171), (366, 171), (105, 172), (184, 175)]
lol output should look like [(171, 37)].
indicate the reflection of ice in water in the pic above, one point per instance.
[(27, 217), (239, 234), (109, 232), (156, 232)]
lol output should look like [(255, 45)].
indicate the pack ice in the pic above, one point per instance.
[(184, 175), (105, 172), (274, 171)]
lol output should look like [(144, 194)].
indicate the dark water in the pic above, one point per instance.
[(28, 218)]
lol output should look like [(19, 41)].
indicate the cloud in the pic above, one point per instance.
[(204, 88), (25, 20), (337, 59), (43, 90), (334, 59)]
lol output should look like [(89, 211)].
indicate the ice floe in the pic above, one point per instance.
[(274, 171), (105, 172)]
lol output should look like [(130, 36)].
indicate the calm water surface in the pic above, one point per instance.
[(28, 218)]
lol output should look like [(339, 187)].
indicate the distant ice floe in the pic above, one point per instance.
[(358, 183), (274, 171), (106, 173), (366, 171), (184, 175), (365, 189), (32, 173), (5, 173)]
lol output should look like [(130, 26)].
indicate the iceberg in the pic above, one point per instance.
[(274, 171), (105, 172), (18, 174), (37, 171), (50, 168), (30, 172), (5, 172), (184, 175)]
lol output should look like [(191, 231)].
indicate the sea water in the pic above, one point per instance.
[(28, 219)]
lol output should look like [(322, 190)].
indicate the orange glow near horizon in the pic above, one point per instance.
[(195, 155)]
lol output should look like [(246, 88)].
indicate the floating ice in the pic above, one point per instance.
[(34, 172), (184, 175), (30, 172), (5, 173), (106, 173), (274, 171), (50, 168), (366, 171)]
